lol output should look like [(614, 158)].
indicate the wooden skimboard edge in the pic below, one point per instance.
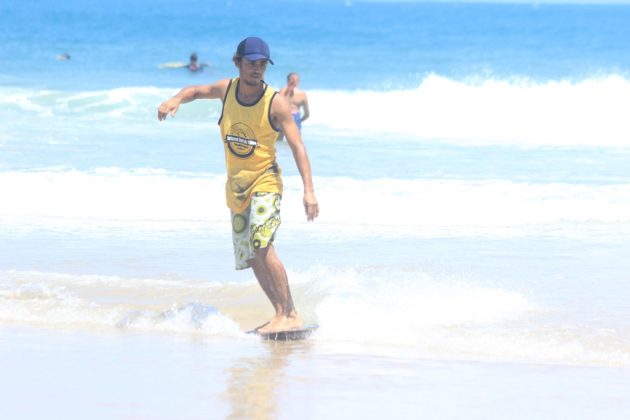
[(288, 335)]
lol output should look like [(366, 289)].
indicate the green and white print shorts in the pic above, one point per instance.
[(256, 227)]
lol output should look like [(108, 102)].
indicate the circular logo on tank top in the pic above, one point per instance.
[(241, 140)]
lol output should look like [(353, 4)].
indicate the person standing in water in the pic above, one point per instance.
[(297, 99), (194, 64), (252, 115)]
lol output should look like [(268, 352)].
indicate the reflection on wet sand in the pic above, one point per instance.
[(255, 382)]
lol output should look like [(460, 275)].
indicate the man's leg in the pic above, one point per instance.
[(272, 277)]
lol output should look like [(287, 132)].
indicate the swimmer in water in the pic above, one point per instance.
[(194, 64)]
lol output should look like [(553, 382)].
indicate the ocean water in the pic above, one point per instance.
[(472, 165)]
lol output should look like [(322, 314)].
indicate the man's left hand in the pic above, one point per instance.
[(310, 206)]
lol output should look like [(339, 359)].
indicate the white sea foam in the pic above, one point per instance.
[(160, 201), (485, 111), (138, 103), (419, 315), (100, 302), (474, 111), (380, 310)]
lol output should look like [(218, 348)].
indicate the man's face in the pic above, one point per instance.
[(294, 80), (252, 72)]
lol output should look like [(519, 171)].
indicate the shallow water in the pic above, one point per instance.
[(218, 378)]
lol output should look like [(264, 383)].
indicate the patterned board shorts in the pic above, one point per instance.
[(256, 227)]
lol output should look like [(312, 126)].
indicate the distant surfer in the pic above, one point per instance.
[(297, 100), (252, 115), (194, 64)]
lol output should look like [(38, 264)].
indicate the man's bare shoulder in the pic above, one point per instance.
[(280, 104), (223, 82), (218, 89), (215, 90), (299, 95)]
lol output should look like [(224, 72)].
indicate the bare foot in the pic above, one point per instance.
[(281, 323), (255, 330)]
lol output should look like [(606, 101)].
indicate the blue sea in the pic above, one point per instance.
[(470, 261)]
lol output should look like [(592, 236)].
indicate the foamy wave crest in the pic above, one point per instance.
[(138, 103), (484, 111), (413, 300), (369, 309), (476, 111), (100, 302), (417, 314), (152, 200), (110, 197)]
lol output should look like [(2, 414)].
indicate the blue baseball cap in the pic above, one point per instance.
[(253, 48)]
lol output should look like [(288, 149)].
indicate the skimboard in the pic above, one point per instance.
[(288, 335), (173, 65)]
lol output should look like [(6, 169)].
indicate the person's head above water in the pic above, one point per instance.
[(293, 79), (253, 49)]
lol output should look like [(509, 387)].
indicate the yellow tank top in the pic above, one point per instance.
[(249, 140)]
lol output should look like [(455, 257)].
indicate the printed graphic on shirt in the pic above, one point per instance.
[(241, 140)]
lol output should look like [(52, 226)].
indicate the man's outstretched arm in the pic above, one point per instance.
[(215, 90)]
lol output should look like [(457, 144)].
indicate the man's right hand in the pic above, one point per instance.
[(169, 107)]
